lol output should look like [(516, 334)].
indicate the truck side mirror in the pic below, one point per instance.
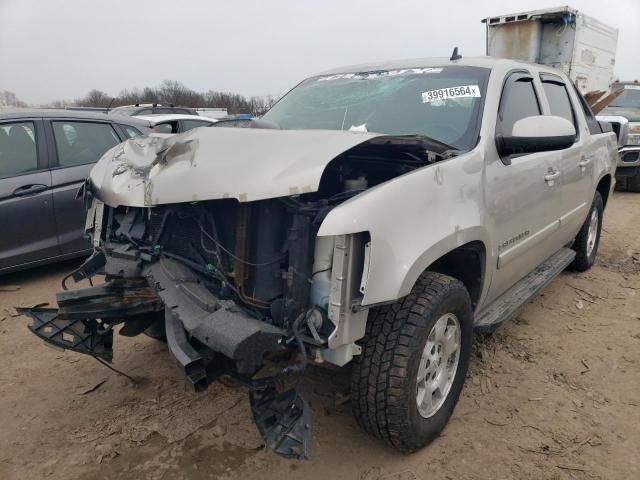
[(539, 133)]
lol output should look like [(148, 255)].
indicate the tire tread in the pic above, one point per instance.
[(379, 398), (582, 262)]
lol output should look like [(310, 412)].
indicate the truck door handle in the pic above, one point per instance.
[(584, 162), (29, 190), (551, 176)]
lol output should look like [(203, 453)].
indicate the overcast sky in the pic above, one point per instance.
[(61, 49)]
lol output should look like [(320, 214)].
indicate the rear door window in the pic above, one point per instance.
[(559, 100), (79, 143), (18, 153)]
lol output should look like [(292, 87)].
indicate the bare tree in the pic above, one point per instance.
[(95, 98), (175, 93), (9, 99), (261, 104)]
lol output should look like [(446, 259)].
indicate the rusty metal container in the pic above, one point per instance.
[(564, 38)]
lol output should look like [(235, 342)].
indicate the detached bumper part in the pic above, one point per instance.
[(82, 336), (220, 326), (77, 324), (118, 300), (283, 420), (192, 363)]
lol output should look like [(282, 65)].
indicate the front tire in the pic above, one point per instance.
[(588, 238), (415, 356)]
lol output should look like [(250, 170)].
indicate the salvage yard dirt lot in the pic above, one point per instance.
[(554, 394)]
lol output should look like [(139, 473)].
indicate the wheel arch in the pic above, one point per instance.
[(604, 188), (466, 263), (463, 256)]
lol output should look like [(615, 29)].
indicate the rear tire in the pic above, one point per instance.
[(401, 343), (588, 238)]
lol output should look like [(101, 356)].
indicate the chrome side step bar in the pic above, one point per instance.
[(505, 306)]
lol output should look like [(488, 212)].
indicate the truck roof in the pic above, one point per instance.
[(543, 13), (485, 62)]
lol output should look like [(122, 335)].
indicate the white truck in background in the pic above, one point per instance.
[(623, 113), (564, 38)]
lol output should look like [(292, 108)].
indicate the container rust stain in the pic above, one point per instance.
[(517, 40)]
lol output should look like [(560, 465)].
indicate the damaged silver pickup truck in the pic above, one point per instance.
[(376, 215)]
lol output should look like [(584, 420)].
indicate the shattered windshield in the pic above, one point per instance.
[(630, 98), (443, 103)]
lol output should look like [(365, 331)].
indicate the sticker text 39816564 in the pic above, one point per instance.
[(451, 92)]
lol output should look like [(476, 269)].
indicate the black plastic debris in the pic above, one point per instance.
[(283, 420), (83, 336)]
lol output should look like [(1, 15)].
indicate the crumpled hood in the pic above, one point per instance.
[(211, 163)]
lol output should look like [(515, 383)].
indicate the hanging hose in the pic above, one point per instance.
[(301, 366), (119, 372)]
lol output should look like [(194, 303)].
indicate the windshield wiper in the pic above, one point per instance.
[(418, 140), (419, 144)]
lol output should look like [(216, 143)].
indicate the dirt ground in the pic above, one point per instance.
[(554, 394)]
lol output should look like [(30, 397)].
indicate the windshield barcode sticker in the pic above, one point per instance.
[(451, 92)]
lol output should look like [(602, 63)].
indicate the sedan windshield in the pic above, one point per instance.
[(443, 103)]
